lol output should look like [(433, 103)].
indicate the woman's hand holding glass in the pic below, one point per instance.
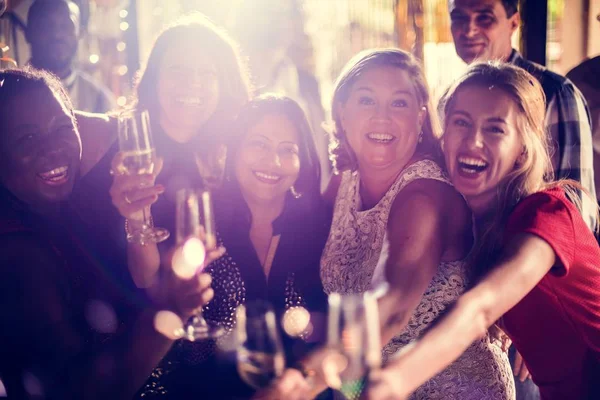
[(179, 297), (197, 247), (291, 385), (137, 158), (132, 193)]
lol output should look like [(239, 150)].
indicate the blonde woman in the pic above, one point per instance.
[(536, 264)]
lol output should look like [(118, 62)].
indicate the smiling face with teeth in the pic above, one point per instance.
[(40, 147), (482, 143), (382, 118), (268, 163), (188, 91)]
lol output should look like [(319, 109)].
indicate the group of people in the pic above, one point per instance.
[(480, 232)]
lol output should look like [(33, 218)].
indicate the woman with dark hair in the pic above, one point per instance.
[(273, 223), (70, 331), (193, 86), (398, 219)]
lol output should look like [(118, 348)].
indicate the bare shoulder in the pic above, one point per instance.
[(434, 198), (92, 125), (98, 132), (330, 192), (440, 194)]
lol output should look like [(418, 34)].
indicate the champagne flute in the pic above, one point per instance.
[(353, 330), (195, 233), (135, 142), (260, 357)]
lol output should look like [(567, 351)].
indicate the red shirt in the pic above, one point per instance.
[(556, 327)]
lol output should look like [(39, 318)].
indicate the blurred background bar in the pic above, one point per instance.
[(320, 36)]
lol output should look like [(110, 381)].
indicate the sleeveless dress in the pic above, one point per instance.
[(353, 262)]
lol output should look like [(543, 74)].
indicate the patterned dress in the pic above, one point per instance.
[(353, 260)]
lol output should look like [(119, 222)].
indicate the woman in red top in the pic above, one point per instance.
[(536, 266)]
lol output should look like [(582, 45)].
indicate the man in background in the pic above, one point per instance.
[(482, 31), (52, 32), (585, 77)]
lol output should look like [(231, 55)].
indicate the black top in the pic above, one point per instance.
[(60, 299), (204, 370)]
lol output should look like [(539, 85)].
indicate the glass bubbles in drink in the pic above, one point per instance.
[(260, 357), (195, 226), (135, 142)]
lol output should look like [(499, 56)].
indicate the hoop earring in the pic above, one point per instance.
[(295, 194)]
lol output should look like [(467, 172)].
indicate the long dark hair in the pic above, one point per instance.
[(214, 42), (340, 151), (308, 182)]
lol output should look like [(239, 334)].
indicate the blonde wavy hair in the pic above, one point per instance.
[(533, 170)]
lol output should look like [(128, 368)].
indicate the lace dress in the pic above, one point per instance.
[(353, 260)]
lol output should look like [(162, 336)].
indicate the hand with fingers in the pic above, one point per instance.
[(520, 369), (291, 385), (132, 193), (183, 295), (384, 385)]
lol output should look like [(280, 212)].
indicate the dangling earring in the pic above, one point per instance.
[(295, 194), (420, 136)]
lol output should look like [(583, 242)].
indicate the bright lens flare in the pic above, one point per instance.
[(189, 258)]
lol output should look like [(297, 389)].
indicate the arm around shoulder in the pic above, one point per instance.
[(98, 132)]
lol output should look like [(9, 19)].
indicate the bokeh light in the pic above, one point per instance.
[(296, 322), (32, 385), (188, 258), (101, 316), (169, 324)]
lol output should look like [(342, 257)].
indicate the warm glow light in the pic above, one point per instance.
[(121, 46), (123, 13), (189, 258), (121, 101), (122, 70), (124, 26), (169, 324), (94, 58), (296, 321)]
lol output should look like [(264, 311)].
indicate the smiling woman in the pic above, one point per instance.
[(41, 150), (66, 315), (273, 223), (398, 219)]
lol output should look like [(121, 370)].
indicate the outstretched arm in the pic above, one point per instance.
[(528, 258), (418, 230)]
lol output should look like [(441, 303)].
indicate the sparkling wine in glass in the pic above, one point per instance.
[(135, 142), (353, 331), (195, 234), (260, 356)]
